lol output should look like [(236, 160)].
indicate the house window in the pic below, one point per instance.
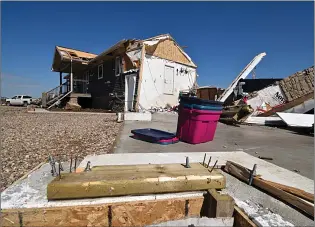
[(87, 77), (100, 71)]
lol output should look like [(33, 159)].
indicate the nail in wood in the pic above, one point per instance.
[(209, 162), (187, 162), (214, 165), (204, 159)]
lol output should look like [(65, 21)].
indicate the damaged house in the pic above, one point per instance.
[(132, 75)]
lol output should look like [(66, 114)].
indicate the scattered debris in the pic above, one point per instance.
[(168, 109), (235, 114), (294, 94), (261, 216)]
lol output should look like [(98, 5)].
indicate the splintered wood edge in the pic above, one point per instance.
[(241, 219)]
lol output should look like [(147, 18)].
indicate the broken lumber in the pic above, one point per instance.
[(220, 205), (243, 174), (294, 191), (241, 219), (134, 180)]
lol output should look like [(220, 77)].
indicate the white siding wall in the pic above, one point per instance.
[(152, 87)]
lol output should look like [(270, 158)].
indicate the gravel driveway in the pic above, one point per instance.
[(28, 138)]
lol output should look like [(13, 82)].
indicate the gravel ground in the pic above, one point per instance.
[(28, 138)]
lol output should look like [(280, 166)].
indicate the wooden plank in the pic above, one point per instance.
[(220, 205), (241, 219), (243, 173), (140, 76), (286, 197), (137, 213), (119, 181), (237, 170), (294, 191)]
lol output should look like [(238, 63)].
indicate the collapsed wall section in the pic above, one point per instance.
[(299, 84)]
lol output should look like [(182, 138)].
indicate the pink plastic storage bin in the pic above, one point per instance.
[(196, 126)]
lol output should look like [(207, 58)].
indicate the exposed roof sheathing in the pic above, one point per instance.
[(167, 49), (80, 54), (165, 46)]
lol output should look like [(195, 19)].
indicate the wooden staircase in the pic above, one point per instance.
[(52, 97)]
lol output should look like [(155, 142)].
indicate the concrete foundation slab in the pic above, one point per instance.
[(31, 192)]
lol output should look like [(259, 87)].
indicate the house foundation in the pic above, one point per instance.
[(73, 104)]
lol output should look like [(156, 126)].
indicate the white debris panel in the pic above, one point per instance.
[(266, 99), (297, 120)]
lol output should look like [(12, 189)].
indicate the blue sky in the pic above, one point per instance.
[(222, 37)]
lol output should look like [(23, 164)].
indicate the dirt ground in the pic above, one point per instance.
[(27, 139)]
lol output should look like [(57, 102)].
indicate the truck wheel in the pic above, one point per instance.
[(25, 104), (8, 104)]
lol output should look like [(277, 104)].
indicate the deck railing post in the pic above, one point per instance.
[(44, 99), (60, 82)]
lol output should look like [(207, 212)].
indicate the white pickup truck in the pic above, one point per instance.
[(19, 100)]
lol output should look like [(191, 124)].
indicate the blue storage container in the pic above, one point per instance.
[(197, 101), (202, 107)]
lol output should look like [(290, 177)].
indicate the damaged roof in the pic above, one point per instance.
[(66, 52), (124, 45)]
